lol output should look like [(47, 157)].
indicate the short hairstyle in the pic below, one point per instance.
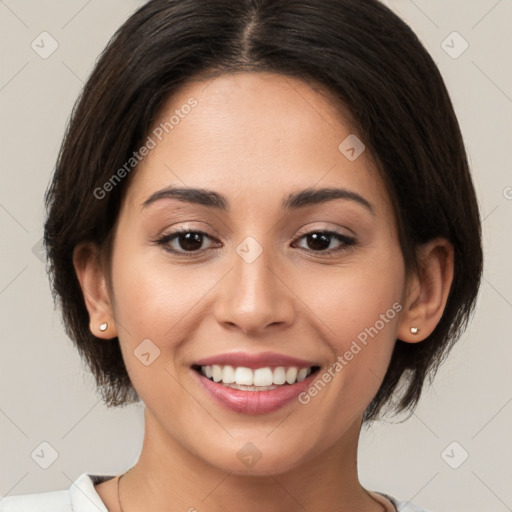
[(369, 60)]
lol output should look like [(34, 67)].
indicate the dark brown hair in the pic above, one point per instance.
[(360, 51)]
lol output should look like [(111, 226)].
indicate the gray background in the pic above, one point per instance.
[(48, 396)]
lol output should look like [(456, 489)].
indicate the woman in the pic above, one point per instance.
[(262, 225)]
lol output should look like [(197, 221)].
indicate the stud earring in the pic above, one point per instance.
[(103, 327), (415, 330)]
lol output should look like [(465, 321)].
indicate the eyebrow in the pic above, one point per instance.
[(294, 201)]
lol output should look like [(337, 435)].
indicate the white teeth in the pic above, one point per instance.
[(228, 375), (303, 372), (263, 377), (291, 375), (260, 377), (216, 373), (244, 376), (279, 375)]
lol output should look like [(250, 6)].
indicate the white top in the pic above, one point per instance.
[(82, 497)]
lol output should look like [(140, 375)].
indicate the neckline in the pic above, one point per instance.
[(384, 499), (95, 478)]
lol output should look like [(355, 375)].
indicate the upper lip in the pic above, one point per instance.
[(253, 361)]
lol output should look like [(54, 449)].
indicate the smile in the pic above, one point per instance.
[(259, 379), (253, 391)]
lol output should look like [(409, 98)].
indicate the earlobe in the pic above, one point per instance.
[(428, 291), (92, 279)]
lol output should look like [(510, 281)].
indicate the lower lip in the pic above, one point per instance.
[(254, 402)]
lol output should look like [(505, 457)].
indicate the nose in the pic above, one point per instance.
[(255, 295)]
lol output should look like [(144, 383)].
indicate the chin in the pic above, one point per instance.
[(256, 458)]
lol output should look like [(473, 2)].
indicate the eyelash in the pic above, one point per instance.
[(164, 240)]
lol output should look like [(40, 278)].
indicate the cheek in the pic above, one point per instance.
[(352, 297), (356, 312), (157, 299), (150, 300)]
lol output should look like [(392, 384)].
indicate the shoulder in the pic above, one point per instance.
[(80, 497), (403, 506), (53, 501)]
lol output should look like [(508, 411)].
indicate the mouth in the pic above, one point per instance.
[(255, 379), (254, 391), (254, 383)]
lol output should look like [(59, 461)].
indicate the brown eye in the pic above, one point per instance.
[(319, 241), (183, 241), (190, 241)]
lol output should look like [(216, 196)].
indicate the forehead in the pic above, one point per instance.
[(259, 132)]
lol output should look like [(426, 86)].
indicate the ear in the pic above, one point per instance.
[(90, 272), (427, 291)]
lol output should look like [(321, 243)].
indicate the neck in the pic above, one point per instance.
[(168, 477)]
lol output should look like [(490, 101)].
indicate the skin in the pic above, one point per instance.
[(255, 138)]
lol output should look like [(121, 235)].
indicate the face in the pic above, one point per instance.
[(260, 271)]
